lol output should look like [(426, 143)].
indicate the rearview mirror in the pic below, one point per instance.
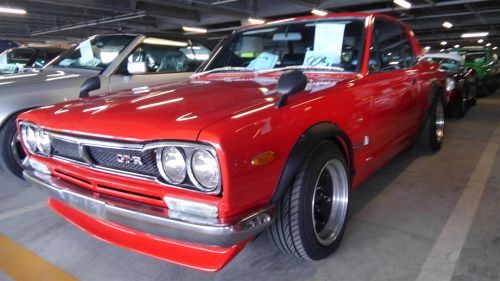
[(89, 85), (136, 67)]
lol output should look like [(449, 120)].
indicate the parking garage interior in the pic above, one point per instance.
[(423, 216)]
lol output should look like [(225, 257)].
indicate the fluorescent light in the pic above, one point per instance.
[(447, 24), (427, 47), (12, 11), (443, 43), (164, 42), (318, 12), (480, 41), (489, 44), (194, 29), (494, 48), (256, 21), (442, 50), (475, 34), (403, 3), (456, 46)]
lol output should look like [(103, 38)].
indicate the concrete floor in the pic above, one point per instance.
[(422, 217)]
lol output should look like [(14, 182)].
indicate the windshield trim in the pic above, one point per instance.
[(224, 43)]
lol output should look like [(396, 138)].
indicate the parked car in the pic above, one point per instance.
[(283, 120), (460, 84), (485, 62), (24, 59), (97, 65)]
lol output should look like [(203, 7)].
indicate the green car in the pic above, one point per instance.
[(485, 62)]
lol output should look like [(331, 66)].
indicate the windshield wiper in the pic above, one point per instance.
[(303, 67), (223, 69)]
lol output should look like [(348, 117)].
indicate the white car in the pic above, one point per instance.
[(98, 65)]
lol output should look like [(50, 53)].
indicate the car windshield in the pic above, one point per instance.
[(475, 57), (95, 53), (14, 59), (334, 44)]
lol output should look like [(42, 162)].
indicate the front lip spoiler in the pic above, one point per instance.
[(209, 233)]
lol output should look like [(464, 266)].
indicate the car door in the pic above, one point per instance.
[(158, 61), (393, 82)]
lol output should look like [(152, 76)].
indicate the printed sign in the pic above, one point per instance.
[(264, 61)]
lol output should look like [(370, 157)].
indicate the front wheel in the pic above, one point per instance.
[(312, 215), (12, 156)]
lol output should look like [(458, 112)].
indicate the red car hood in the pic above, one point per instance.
[(174, 111)]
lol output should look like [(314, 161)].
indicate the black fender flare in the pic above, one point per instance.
[(303, 147)]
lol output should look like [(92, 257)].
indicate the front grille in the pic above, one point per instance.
[(66, 149), (107, 158)]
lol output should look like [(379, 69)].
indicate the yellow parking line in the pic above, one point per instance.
[(20, 264)]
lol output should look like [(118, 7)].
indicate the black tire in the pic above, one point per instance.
[(480, 89), (472, 100), (8, 160), (298, 230), (459, 109), (430, 138)]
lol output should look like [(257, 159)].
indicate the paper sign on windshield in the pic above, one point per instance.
[(328, 38), (321, 58), (3, 59), (86, 51), (264, 61)]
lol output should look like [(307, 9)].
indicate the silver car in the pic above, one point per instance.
[(98, 65)]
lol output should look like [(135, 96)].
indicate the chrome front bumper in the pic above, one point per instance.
[(178, 228)]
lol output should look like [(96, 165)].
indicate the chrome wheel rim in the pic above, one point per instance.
[(439, 122), (329, 202), (17, 150)]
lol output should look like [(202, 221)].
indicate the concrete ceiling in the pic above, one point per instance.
[(72, 20)]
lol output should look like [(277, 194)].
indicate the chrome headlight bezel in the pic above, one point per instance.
[(41, 144), (190, 181)]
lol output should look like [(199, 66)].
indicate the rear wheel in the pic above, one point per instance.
[(13, 155), (312, 215), (432, 134), (459, 109)]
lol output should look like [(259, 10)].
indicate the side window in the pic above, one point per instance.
[(164, 56), (390, 49)]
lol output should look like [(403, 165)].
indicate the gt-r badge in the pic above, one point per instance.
[(128, 159)]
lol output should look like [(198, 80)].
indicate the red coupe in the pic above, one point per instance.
[(271, 134)]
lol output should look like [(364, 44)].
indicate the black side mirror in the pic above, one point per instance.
[(91, 84), (289, 83)]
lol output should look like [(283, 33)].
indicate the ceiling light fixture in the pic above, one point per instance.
[(318, 12), (443, 43), (456, 46), (256, 21), (494, 48), (447, 24), (427, 47), (7, 10), (480, 41), (489, 44), (475, 34), (403, 3), (194, 29), (164, 42), (442, 50)]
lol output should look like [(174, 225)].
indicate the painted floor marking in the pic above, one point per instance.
[(442, 259), (20, 264)]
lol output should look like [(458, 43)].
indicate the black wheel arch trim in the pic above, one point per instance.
[(302, 148)]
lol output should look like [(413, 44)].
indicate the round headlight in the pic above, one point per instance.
[(43, 142), (205, 169), (173, 164), (29, 138)]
